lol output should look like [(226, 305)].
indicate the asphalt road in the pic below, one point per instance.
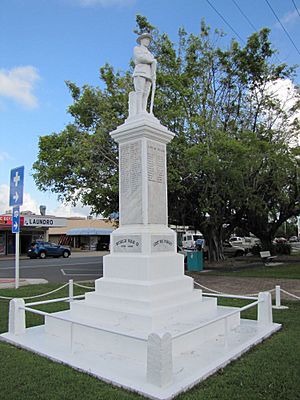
[(55, 269)]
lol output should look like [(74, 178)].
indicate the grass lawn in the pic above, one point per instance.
[(283, 271), (269, 371)]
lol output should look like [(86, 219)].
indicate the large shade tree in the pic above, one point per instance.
[(229, 164)]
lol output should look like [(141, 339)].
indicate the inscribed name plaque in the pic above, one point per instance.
[(157, 193), (127, 244), (131, 183), (162, 243)]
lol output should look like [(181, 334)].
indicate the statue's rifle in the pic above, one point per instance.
[(153, 87)]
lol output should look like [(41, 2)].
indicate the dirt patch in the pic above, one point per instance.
[(246, 286)]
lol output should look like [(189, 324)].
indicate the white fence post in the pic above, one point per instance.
[(71, 290), (159, 359), (277, 293), (278, 305), (17, 323), (264, 311)]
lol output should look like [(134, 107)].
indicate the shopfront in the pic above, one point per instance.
[(32, 228)]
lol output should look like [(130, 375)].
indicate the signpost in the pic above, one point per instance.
[(16, 186), (16, 220), (15, 201)]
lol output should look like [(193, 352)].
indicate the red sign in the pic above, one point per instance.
[(6, 220)]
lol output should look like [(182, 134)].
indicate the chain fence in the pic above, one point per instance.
[(70, 284)]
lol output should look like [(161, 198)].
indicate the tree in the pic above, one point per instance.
[(229, 125), (272, 190), (81, 162)]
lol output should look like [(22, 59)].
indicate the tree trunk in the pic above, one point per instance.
[(266, 241), (213, 239)]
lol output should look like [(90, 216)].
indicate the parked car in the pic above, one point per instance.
[(279, 240), (236, 240), (44, 249), (293, 239), (189, 240), (102, 246), (233, 251), (246, 242)]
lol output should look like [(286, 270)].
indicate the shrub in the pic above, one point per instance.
[(282, 248), (278, 248), (255, 250)]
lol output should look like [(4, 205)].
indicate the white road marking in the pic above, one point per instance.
[(65, 273), (50, 265)]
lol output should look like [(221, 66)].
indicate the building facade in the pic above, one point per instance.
[(83, 233), (32, 227)]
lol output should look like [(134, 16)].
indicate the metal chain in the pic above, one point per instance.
[(35, 297), (217, 292), (82, 286), (290, 294)]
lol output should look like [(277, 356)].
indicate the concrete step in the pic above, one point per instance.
[(142, 289)]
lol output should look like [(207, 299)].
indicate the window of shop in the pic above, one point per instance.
[(2, 244)]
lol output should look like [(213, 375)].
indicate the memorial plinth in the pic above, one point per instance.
[(144, 327), (143, 285)]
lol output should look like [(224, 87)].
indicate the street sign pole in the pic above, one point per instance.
[(17, 261), (16, 200), (16, 230)]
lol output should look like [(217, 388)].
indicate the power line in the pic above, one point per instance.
[(286, 32), (251, 24), (227, 23), (296, 8), (244, 15)]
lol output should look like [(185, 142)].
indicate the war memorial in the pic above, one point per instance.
[(145, 327)]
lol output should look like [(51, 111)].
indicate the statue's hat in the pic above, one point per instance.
[(142, 36)]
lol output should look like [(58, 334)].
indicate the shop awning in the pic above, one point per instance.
[(88, 232)]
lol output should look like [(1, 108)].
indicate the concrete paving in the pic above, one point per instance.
[(10, 283)]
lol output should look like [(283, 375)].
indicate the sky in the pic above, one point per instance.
[(43, 43)]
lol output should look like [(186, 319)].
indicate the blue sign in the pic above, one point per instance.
[(16, 220), (16, 186)]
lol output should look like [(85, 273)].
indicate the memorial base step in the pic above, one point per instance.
[(115, 337)]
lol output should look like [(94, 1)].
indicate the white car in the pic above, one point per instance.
[(293, 239), (233, 251), (189, 240)]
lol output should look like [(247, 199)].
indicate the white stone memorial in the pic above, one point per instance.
[(144, 327)]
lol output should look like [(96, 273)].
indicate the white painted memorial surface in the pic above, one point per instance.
[(157, 193), (131, 182), (144, 327)]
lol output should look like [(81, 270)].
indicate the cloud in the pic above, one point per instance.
[(28, 202), (105, 3), (18, 84), (288, 19), (67, 210), (4, 156), (284, 91)]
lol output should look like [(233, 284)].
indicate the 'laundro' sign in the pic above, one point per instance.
[(44, 221)]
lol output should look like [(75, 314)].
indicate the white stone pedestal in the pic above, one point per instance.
[(143, 280), (144, 327)]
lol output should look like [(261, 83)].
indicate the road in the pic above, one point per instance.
[(55, 269)]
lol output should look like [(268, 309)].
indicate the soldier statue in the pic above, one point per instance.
[(144, 76)]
